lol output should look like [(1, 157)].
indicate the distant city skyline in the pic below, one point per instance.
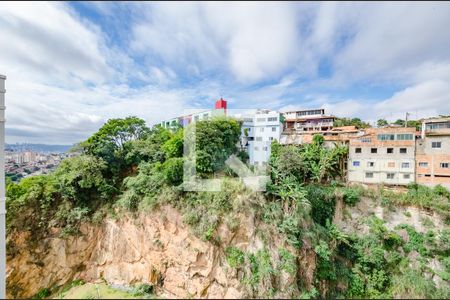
[(70, 66)]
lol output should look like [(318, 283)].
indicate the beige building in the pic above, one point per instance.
[(433, 153), (382, 155)]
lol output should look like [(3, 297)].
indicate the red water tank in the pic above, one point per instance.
[(221, 104)]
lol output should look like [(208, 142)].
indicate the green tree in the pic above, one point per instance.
[(80, 179), (339, 122), (174, 146), (150, 148), (173, 170), (216, 140), (112, 141), (382, 123), (30, 203)]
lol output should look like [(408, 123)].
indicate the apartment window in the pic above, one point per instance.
[(391, 164), (390, 150), (256, 148), (274, 129), (436, 145), (261, 129), (403, 150), (259, 139), (370, 164), (270, 138), (265, 148), (250, 139), (196, 118), (248, 120), (261, 119), (386, 137), (358, 150), (444, 165), (205, 116), (405, 165), (390, 175), (373, 150), (423, 164), (406, 176), (366, 140), (405, 137), (256, 163), (272, 119), (369, 175), (356, 163)]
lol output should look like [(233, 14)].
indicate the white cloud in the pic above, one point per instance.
[(254, 41), (66, 75), (46, 42)]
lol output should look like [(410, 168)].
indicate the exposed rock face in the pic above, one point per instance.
[(155, 248)]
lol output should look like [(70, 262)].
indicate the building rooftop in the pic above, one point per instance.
[(436, 119)]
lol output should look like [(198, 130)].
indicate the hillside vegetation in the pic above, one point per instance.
[(127, 168)]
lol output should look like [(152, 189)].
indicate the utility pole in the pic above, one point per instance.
[(2, 191), (406, 121)]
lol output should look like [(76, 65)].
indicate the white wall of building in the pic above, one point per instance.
[(367, 167), (263, 127)]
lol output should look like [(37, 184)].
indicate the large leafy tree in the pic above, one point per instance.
[(216, 140), (113, 141), (149, 149), (80, 180), (382, 123)]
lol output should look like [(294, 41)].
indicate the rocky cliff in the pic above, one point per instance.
[(156, 248)]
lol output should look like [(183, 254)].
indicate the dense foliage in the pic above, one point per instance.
[(339, 122), (126, 167)]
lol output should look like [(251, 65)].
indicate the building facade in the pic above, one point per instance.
[(259, 130), (219, 110), (433, 153), (307, 120), (382, 155)]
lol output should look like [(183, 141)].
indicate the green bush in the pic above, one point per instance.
[(42, 293), (352, 195), (142, 289), (322, 203), (173, 170), (235, 257), (287, 261)]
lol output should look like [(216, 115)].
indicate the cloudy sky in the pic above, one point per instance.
[(71, 66)]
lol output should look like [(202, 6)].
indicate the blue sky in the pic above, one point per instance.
[(73, 65)]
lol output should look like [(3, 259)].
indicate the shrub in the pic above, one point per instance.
[(142, 289), (352, 195), (173, 170), (287, 261), (42, 293), (235, 257)]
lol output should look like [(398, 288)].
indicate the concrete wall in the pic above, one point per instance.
[(433, 174), (382, 163), (261, 133)]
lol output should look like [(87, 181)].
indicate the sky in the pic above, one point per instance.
[(71, 66)]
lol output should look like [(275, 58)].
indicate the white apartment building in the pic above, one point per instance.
[(259, 130)]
